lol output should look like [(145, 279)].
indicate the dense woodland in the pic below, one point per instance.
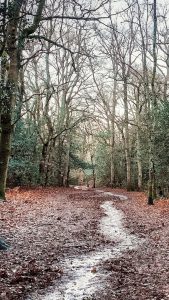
[(84, 89)]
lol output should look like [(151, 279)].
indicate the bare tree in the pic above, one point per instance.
[(17, 29)]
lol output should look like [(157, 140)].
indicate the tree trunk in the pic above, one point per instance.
[(138, 143), (60, 163), (151, 188), (67, 162), (5, 146), (43, 163), (151, 184), (127, 144), (112, 167), (112, 178), (139, 162), (93, 171), (7, 105), (14, 45)]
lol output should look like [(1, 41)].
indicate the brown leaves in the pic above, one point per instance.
[(93, 270), (45, 225)]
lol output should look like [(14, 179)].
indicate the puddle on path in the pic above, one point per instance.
[(80, 280)]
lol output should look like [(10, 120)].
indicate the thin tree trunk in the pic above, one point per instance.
[(139, 162), (138, 143), (112, 174), (59, 165), (127, 144), (67, 162), (43, 161), (93, 171), (112, 167), (151, 185)]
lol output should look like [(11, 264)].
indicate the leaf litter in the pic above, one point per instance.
[(46, 226)]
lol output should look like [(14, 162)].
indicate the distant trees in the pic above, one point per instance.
[(71, 69), (22, 22), (55, 108), (139, 51)]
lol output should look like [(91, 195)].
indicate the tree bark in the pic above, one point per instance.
[(138, 142), (151, 185), (114, 101), (127, 141), (139, 162), (8, 102), (5, 146), (67, 162), (93, 171)]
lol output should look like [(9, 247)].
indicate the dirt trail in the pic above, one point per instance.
[(48, 227), (82, 279)]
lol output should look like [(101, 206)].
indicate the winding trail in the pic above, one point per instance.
[(82, 278)]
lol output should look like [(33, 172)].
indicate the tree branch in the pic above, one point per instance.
[(37, 18)]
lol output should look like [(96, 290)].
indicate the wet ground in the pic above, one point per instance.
[(84, 244), (82, 279)]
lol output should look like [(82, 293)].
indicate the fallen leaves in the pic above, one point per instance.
[(38, 224), (45, 225)]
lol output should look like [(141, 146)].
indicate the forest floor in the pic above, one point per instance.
[(46, 227)]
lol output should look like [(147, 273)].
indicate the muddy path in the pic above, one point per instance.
[(74, 244), (82, 274)]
